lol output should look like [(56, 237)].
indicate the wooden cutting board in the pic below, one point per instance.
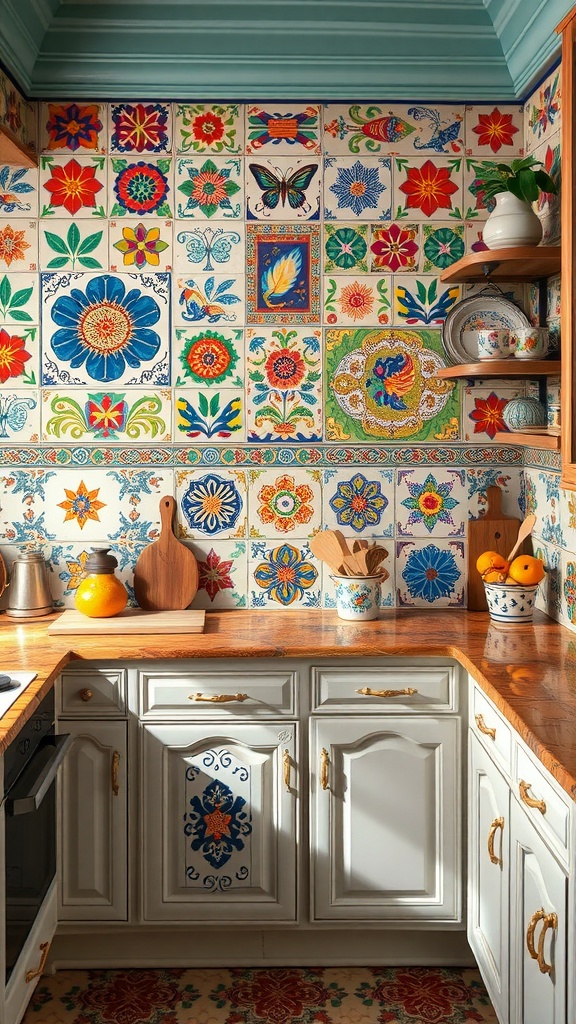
[(131, 620), (166, 573), (493, 531)]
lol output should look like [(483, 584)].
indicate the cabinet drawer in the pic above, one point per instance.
[(491, 729), (219, 690), (387, 688), (94, 693), (546, 805)]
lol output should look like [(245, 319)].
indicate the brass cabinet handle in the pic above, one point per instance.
[(486, 729), (324, 765), (287, 762), (44, 948), (496, 824), (115, 767), (218, 698), (540, 805), (408, 692), (86, 695), (548, 921)]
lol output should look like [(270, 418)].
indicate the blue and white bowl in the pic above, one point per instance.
[(510, 603)]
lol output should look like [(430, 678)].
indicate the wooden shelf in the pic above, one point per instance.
[(525, 368), (14, 152), (537, 439), (522, 263)]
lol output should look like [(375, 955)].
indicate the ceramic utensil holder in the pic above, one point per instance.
[(357, 597)]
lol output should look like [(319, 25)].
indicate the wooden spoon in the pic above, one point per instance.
[(349, 560), (374, 557), (325, 546), (524, 531)]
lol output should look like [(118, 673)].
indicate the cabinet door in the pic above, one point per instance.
[(93, 824), (220, 826), (385, 819), (489, 873), (537, 928)]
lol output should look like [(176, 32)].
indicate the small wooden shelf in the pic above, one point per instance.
[(537, 439), (525, 368), (522, 263), (14, 152)]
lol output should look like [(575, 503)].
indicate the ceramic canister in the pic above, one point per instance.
[(357, 597), (524, 412)]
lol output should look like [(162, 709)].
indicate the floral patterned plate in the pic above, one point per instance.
[(477, 313)]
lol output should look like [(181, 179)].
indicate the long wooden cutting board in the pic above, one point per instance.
[(493, 531), (166, 573), (131, 620)]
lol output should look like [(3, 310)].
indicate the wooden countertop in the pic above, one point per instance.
[(529, 671)]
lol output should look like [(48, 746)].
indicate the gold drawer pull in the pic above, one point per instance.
[(115, 768), (548, 921), (86, 695), (540, 805), (218, 698), (486, 729), (287, 762), (324, 765), (408, 692), (44, 948), (496, 824)]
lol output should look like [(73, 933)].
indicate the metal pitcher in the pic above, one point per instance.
[(29, 590)]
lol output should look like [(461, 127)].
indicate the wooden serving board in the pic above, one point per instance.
[(493, 531), (166, 573), (131, 620)]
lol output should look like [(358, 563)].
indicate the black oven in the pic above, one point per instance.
[(31, 763)]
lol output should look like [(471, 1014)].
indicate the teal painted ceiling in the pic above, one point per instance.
[(275, 49)]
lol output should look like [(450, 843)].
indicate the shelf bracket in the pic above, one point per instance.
[(488, 268)]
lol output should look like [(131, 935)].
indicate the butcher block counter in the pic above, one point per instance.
[(528, 671)]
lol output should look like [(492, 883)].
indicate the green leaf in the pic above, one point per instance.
[(214, 404), (73, 237), (57, 262), (89, 262), (20, 316), (187, 188), (421, 291), (545, 182), (21, 298), (55, 242), (202, 404), (164, 165), (5, 291), (89, 243), (528, 188)]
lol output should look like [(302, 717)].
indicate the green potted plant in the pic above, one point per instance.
[(513, 188)]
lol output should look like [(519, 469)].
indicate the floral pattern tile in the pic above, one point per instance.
[(208, 357), (141, 188), (85, 505), (217, 415), (430, 574), (285, 504), (548, 205), (71, 127), (222, 574), (283, 187), (543, 500), (19, 357), (209, 187), (473, 204), (443, 244), (427, 189), (360, 188), (213, 503), (140, 248), (551, 589), (283, 128), (19, 299), (483, 410), (543, 111), (510, 482), (283, 574), (362, 300), (18, 245), (204, 248), (422, 301), (24, 516), (346, 248), (113, 416), (431, 503), (283, 274), (19, 416), (73, 245), (359, 502), (494, 134), (567, 588), (402, 129), (140, 128), (284, 393), (18, 191), (395, 248), (209, 299), (73, 185), (209, 128)]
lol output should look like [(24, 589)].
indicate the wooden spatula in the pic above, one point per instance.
[(166, 573), (325, 546), (525, 530)]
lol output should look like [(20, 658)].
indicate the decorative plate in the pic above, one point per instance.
[(478, 313)]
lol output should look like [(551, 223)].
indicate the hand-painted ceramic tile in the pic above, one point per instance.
[(431, 503), (548, 205), (209, 416), (219, 245), (494, 134), (395, 248), (222, 573), (209, 187), (360, 502), (384, 384), (285, 503), (72, 127), (483, 409), (346, 248), (209, 128), (18, 191), (212, 503), (283, 128), (19, 299), (103, 328), (543, 111), (208, 358), (543, 499), (19, 415), (18, 245), (209, 299), (360, 188), (550, 591), (283, 574), (473, 205), (73, 185), (82, 504), (140, 128), (387, 596), (427, 189), (25, 518), (423, 300), (284, 393), (281, 187), (66, 563), (359, 301), (473, 236), (430, 574), (141, 188), (514, 292), (142, 247), (404, 129), (510, 483), (443, 244), (553, 297), (110, 416), (19, 356), (73, 245), (283, 274), (15, 113), (566, 581)]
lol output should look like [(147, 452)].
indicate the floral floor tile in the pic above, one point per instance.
[(144, 247), (430, 574), (215, 415), (73, 185), (70, 127), (19, 356), (360, 502), (510, 481), (543, 112), (209, 128), (212, 503), (141, 188), (427, 188), (402, 129), (208, 357), (494, 134), (395, 247), (203, 249), (209, 187), (282, 187), (73, 245), (18, 245), (125, 417), (346, 248), (283, 574), (483, 409), (140, 128), (19, 416), (284, 393), (18, 191), (358, 187), (19, 299), (222, 573), (357, 300), (283, 274), (284, 503), (431, 503), (422, 301), (209, 299)]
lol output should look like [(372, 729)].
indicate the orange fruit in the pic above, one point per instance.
[(494, 576), (491, 566), (527, 570)]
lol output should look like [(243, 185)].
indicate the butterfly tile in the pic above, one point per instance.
[(286, 503), (358, 187), (18, 245), (137, 339), (24, 517), (427, 188), (19, 414), (209, 299), (73, 245), (403, 129), (345, 248), (283, 128), (358, 301), (141, 247), (284, 385), (483, 408), (18, 191), (222, 573), (212, 503), (494, 134), (395, 248), (543, 500), (204, 248), (73, 186), (430, 574), (208, 357), (360, 502), (283, 274), (442, 245), (283, 574), (387, 585), (208, 186), (141, 188), (422, 300), (19, 356), (543, 111), (217, 415), (209, 128), (510, 482), (431, 503), (19, 299), (140, 128), (69, 127), (109, 416), (282, 187)]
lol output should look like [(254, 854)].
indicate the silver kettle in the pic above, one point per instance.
[(29, 590)]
